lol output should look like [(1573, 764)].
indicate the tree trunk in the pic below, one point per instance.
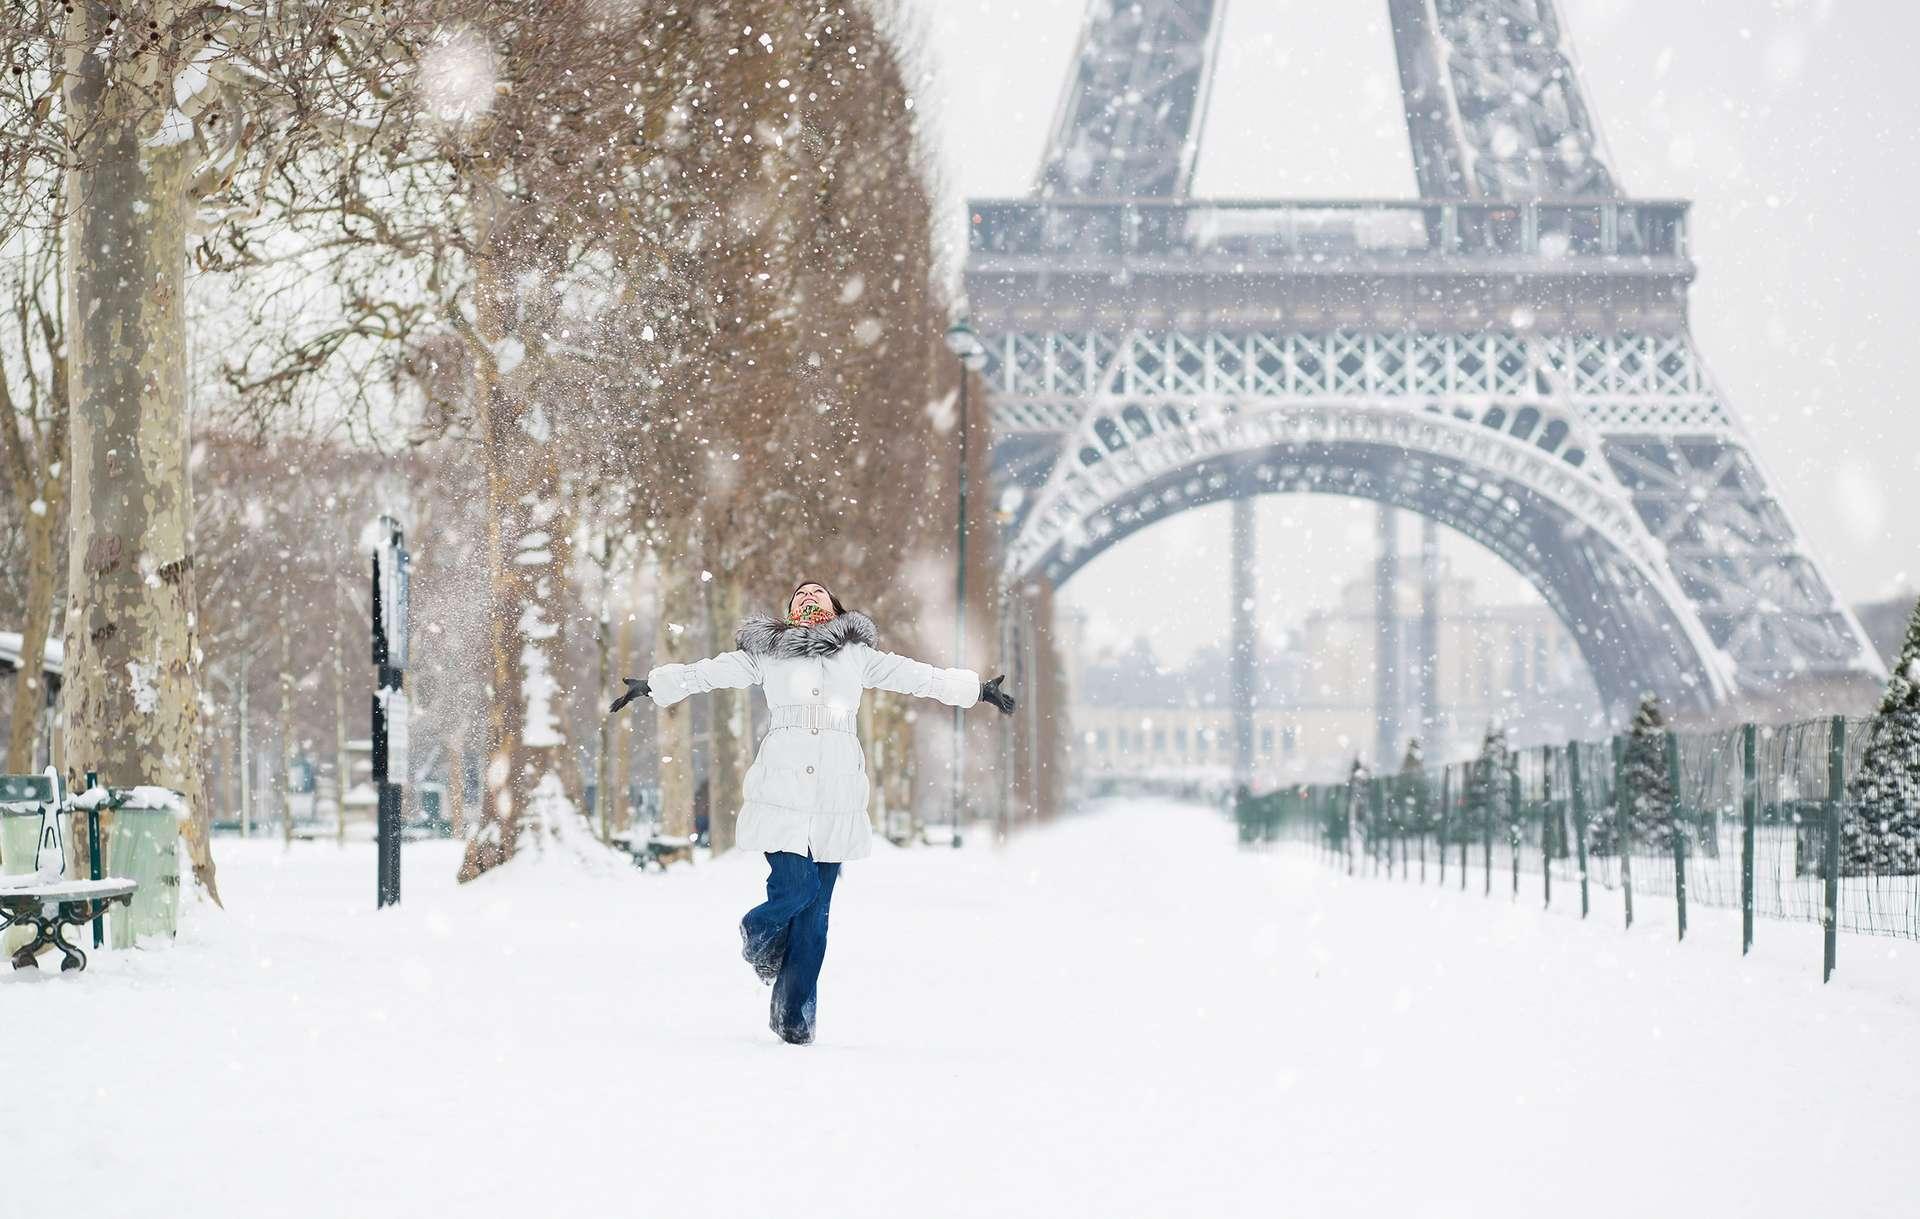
[(231, 773), (527, 542), (286, 717), (627, 727), (891, 758), (131, 674), (29, 686), (731, 718), (457, 786), (603, 751), (866, 723), (572, 777), (673, 725), (342, 758), (245, 746)]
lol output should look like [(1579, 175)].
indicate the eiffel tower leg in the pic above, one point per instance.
[(1244, 642), (1429, 631), (1386, 635)]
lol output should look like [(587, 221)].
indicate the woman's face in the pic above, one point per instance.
[(811, 604)]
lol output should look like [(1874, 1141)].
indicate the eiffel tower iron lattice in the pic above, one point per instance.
[(1508, 355)]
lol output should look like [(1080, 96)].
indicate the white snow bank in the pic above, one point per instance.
[(1118, 1016)]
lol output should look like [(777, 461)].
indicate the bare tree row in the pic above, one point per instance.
[(633, 307)]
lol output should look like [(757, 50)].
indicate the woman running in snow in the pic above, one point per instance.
[(806, 793)]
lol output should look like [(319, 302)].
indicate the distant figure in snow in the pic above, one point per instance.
[(806, 794)]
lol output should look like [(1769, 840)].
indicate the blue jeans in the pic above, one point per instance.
[(785, 938)]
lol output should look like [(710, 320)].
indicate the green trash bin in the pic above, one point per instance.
[(23, 824), (19, 838), (143, 846)]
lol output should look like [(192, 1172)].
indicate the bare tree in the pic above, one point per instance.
[(33, 429), (159, 114)]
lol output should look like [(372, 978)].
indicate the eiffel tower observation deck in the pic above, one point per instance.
[(1508, 355)]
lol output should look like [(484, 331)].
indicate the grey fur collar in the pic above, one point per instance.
[(767, 637)]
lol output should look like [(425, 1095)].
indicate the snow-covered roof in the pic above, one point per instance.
[(11, 642)]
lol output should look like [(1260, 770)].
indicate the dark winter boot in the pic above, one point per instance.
[(791, 1034)]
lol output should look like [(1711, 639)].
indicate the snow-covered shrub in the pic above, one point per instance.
[(1647, 779), (1881, 833), (1411, 794), (1356, 820), (1488, 790)]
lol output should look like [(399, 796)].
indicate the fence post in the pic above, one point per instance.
[(1513, 820), (1579, 799), (1421, 812), (1376, 828), (1486, 828), (1400, 832), (1623, 825), (1346, 815), (1466, 785), (1383, 799), (1322, 830), (1749, 814), (1379, 844), (1323, 813), (1836, 792), (1546, 826), (1678, 831)]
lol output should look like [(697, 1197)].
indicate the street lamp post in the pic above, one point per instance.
[(1008, 651), (966, 347), (390, 733)]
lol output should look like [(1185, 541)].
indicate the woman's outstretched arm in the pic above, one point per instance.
[(668, 684), (904, 675)]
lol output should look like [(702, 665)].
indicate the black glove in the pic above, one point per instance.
[(990, 692), (635, 689)]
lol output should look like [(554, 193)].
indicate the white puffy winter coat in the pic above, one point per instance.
[(807, 790)]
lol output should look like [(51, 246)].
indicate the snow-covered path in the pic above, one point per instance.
[(1118, 1016)]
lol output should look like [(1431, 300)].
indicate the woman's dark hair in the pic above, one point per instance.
[(831, 599)]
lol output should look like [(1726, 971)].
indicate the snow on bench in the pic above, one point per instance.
[(647, 847), (50, 906)]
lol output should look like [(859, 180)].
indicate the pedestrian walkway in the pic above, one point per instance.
[(1120, 1015)]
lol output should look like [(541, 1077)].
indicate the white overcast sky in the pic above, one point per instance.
[(1790, 124)]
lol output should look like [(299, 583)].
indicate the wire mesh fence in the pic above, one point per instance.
[(1765, 819)]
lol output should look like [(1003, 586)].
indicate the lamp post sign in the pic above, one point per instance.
[(391, 564)]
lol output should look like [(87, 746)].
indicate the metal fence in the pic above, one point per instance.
[(1760, 820)]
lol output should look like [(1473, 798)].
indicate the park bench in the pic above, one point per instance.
[(50, 907), (940, 836), (646, 847)]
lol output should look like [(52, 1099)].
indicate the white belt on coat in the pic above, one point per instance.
[(813, 716)]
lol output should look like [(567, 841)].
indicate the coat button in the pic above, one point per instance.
[(809, 770)]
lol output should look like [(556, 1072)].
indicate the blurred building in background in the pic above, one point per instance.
[(1316, 697)]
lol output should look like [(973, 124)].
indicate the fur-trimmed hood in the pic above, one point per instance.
[(762, 636)]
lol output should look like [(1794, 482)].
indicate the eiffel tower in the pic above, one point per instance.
[(1508, 355)]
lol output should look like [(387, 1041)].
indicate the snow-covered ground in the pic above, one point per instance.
[(1121, 1015)]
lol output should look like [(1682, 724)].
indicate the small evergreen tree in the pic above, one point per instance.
[(1487, 791), (1412, 788), (1648, 781), (1357, 799), (1882, 830)]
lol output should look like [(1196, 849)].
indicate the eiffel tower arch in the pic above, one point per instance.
[(1508, 354)]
